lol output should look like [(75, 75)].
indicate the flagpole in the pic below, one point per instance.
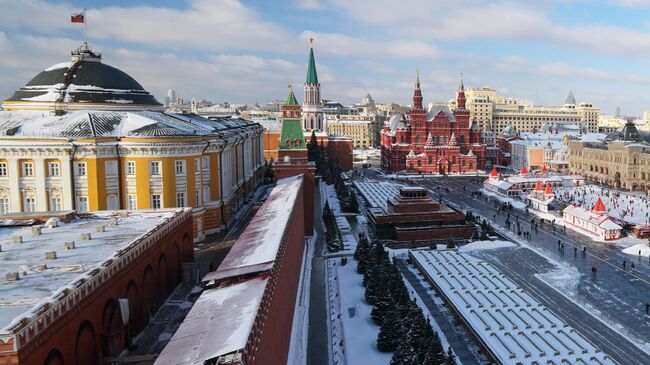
[(85, 30)]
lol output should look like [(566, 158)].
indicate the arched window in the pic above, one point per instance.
[(288, 143), (419, 163), (296, 142), (430, 160)]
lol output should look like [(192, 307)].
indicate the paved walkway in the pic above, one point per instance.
[(318, 337), (456, 341)]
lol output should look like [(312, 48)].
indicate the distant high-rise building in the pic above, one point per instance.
[(171, 97), (618, 111), (494, 113)]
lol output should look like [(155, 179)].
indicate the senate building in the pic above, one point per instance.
[(85, 136)]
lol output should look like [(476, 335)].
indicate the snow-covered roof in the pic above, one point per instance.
[(377, 193), (97, 124), (218, 324), (588, 215), (515, 328), (83, 83), (42, 280), (257, 247), (436, 109), (500, 184)]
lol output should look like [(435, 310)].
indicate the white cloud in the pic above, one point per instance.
[(207, 25), (309, 4)]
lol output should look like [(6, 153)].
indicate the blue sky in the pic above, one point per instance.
[(248, 51)]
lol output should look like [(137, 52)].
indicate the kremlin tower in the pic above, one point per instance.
[(312, 107)]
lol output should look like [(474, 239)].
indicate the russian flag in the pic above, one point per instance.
[(77, 18)]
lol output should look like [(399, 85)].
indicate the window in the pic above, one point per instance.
[(28, 169), (180, 199), (197, 198), (155, 201), (4, 205), (30, 204), (54, 169), (3, 169), (154, 168), (81, 169), (180, 167), (197, 166), (82, 203), (205, 162), (132, 202), (55, 203), (130, 168)]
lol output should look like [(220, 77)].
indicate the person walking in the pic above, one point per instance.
[(647, 308), (593, 272), (575, 250), (624, 264), (558, 244)]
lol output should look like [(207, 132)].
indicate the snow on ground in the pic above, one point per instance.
[(485, 245), (356, 331), (634, 209), (640, 249)]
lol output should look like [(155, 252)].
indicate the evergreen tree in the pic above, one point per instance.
[(389, 332), (361, 255), (383, 304), (404, 355), (435, 353), (353, 205), (450, 243), (451, 359), (269, 176), (312, 148)]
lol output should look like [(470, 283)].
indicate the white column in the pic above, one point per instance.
[(14, 185), (67, 200), (39, 184)]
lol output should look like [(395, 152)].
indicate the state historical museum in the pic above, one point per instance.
[(437, 141)]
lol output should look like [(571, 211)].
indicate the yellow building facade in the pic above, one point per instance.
[(622, 162), (59, 152)]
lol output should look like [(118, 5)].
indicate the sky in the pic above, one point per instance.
[(249, 51)]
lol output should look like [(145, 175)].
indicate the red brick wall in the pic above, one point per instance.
[(281, 171), (280, 295), (95, 314)]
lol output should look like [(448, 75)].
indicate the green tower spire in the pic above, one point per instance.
[(312, 76), (291, 98)]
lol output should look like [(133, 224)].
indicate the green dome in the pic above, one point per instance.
[(84, 80)]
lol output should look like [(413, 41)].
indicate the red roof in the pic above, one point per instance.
[(523, 170), (538, 186), (494, 172), (544, 169), (548, 190), (599, 207)]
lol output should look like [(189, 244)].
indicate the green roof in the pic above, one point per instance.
[(292, 132), (630, 133), (312, 76), (291, 99)]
